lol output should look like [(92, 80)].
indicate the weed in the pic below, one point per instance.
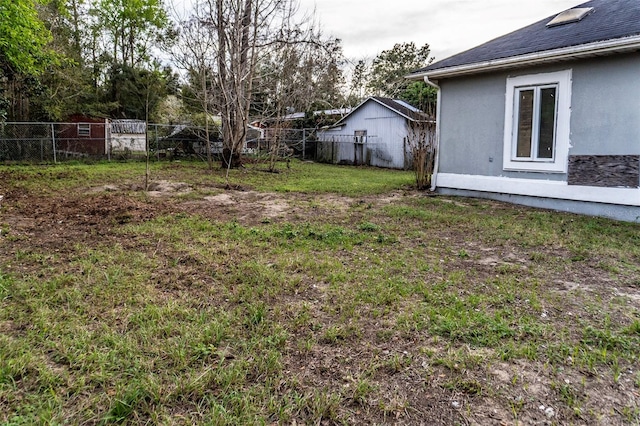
[(633, 328), (303, 317), (124, 406), (169, 312), (368, 227), (631, 414), (362, 389), (569, 395), (470, 387), (337, 333), (305, 345), (394, 407), (323, 405)]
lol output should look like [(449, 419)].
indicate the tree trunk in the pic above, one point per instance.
[(231, 159)]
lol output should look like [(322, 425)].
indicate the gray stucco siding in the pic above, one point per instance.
[(471, 125), (605, 106), (472, 128), (605, 115)]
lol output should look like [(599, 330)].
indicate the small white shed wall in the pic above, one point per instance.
[(386, 131), (132, 142)]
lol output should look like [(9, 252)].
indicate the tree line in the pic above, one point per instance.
[(239, 60)]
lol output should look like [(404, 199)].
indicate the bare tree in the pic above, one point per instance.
[(244, 32), (295, 77), (421, 141), (195, 53)]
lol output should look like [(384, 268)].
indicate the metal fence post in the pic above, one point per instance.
[(333, 143), (107, 136), (53, 142), (304, 141)]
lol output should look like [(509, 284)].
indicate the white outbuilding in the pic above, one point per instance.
[(374, 133)]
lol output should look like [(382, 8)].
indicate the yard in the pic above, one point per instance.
[(317, 295)]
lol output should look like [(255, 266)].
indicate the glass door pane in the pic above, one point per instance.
[(525, 123), (546, 135)]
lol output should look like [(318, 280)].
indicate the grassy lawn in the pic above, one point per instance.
[(317, 295)]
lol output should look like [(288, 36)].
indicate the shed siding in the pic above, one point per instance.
[(132, 142), (385, 136)]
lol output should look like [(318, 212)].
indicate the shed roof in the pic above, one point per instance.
[(612, 24), (128, 126), (400, 107)]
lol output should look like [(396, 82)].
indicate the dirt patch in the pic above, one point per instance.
[(409, 383), (163, 187), (246, 207)]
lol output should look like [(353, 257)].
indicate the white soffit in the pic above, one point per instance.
[(568, 16)]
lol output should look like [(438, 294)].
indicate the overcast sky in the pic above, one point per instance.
[(366, 27)]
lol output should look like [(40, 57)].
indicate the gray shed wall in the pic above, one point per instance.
[(385, 136)]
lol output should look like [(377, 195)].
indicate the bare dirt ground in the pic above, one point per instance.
[(410, 388)]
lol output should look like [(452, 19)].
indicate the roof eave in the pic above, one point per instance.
[(618, 45)]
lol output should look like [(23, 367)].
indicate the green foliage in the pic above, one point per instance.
[(132, 26), (420, 95), (24, 55), (23, 39), (137, 92), (389, 68), (70, 86), (54, 57)]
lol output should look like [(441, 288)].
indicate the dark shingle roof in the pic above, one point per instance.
[(413, 114), (397, 106), (610, 19)]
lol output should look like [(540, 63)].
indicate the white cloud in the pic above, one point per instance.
[(449, 26)]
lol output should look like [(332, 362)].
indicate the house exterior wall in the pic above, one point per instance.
[(605, 117), (384, 146), (604, 121)]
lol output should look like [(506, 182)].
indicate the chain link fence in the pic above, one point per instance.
[(113, 139), (53, 142), (127, 139), (19, 142), (316, 145)]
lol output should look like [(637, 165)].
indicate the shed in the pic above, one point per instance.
[(374, 133), (548, 115), (82, 135), (128, 135)]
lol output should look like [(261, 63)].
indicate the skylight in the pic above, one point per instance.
[(406, 105), (568, 16)]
